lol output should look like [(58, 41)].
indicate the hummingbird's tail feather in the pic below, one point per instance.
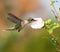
[(13, 28), (17, 27), (14, 19), (9, 29)]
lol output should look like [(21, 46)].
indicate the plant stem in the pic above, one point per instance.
[(56, 13), (53, 36)]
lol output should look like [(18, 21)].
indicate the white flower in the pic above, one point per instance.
[(38, 24)]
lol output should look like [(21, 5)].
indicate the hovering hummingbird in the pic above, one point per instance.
[(35, 23)]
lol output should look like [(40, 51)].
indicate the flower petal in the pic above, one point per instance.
[(38, 24)]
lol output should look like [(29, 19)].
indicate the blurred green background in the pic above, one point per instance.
[(28, 40)]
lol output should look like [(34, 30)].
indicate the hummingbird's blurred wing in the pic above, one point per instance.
[(14, 19)]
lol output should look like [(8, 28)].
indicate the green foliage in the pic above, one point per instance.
[(56, 16), (39, 44), (48, 22), (52, 3), (53, 26), (53, 41)]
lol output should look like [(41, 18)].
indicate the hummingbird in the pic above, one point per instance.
[(35, 23)]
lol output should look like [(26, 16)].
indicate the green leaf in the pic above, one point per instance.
[(50, 31), (48, 22), (52, 3), (52, 27), (53, 41), (56, 16)]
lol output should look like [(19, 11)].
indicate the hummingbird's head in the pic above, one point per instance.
[(31, 20)]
